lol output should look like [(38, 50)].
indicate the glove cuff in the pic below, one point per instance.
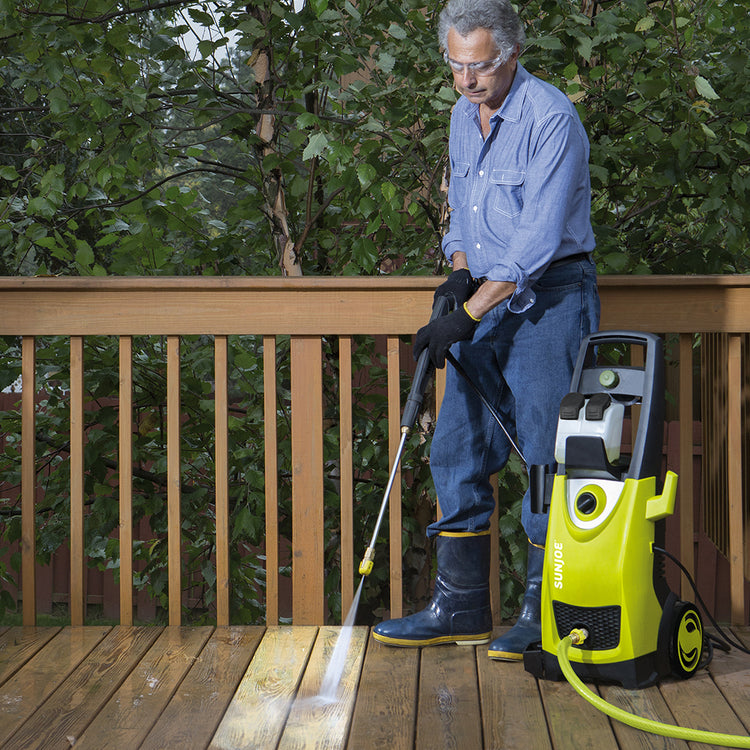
[(466, 310)]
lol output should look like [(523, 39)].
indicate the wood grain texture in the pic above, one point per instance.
[(125, 461), (647, 703), (574, 723), (174, 481), (37, 679), (28, 480), (77, 553), (512, 713), (258, 712), (312, 723), (221, 443), (199, 703), (386, 710), (449, 715), (345, 306), (70, 709), (126, 718), (18, 644), (307, 481), (697, 703)]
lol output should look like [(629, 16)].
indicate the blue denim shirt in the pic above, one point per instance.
[(521, 198)]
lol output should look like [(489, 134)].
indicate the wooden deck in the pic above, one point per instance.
[(252, 687)]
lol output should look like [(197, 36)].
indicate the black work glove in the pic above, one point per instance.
[(438, 335), (458, 287)]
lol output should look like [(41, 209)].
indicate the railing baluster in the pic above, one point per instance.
[(77, 565), (346, 474), (685, 485), (125, 466), (221, 406), (28, 479), (308, 567), (174, 548), (271, 480), (394, 502), (734, 479)]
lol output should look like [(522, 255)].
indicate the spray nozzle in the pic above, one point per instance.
[(365, 567)]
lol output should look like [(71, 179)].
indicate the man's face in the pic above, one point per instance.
[(491, 89)]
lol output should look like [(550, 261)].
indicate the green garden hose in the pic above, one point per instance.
[(577, 636)]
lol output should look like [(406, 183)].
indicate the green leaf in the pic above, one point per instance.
[(366, 174), (84, 255), (645, 24), (318, 6), (9, 173), (704, 88), (315, 146)]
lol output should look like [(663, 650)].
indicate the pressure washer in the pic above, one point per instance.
[(607, 611), (608, 614), (602, 571)]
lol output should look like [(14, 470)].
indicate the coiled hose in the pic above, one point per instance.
[(578, 636)]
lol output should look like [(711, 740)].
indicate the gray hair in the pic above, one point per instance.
[(497, 16)]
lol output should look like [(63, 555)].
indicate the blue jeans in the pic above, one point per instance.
[(523, 363)]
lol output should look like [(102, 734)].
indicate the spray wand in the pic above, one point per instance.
[(408, 418)]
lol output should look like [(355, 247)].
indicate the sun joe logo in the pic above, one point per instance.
[(557, 565)]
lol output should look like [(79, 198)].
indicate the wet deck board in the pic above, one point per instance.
[(251, 687)]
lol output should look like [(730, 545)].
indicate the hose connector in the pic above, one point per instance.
[(578, 636), (365, 567)]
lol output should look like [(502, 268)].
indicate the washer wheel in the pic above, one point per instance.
[(686, 641)]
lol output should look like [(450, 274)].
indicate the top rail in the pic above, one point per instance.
[(77, 306)]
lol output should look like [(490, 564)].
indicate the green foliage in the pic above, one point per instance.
[(661, 88), (258, 139)]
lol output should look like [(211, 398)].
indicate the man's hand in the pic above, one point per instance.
[(458, 287), (438, 335)]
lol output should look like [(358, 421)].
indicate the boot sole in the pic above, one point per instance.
[(460, 640), (505, 655)]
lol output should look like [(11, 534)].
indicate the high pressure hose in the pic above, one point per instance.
[(578, 636)]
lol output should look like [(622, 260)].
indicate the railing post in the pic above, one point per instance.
[(685, 486), (346, 473), (125, 466), (77, 545), (734, 480), (308, 566), (174, 536), (221, 464), (272, 480), (394, 502), (28, 479)]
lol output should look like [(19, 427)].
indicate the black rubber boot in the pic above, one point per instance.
[(460, 608), (528, 627)]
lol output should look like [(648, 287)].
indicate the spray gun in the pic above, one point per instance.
[(409, 417)]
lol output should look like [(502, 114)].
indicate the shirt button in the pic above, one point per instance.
[(479, 247), (475, 208), (481, 173)]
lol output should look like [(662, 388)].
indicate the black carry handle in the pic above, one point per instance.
[(424, 369)]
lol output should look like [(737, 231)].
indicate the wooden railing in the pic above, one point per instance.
[(307, 309)]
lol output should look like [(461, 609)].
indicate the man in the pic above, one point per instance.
[(524, 291)]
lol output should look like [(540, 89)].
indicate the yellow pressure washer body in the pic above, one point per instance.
[(606, 511)]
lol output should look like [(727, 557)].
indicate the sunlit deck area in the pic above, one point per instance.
[(252, 687)]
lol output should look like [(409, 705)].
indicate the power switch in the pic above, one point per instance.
[(586, 503)]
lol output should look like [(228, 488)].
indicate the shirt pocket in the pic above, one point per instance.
[(458, 189), (507, 189)]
